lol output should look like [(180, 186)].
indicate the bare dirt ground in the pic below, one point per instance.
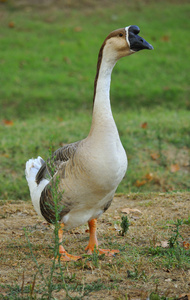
[(129, 274)]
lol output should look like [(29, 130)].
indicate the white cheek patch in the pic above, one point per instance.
[(127, 37), (127, 34)]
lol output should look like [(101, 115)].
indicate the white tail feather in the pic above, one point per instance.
[(32, 168)]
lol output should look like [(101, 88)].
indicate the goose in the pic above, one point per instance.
[(89, 171)]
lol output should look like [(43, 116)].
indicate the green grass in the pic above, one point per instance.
[(173, 256), (48, 64), (33, 137)]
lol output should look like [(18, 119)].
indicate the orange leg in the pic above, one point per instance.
[(94, 242), (64, 255)]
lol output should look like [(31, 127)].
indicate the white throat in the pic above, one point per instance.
[(102, 105), (102, 96)]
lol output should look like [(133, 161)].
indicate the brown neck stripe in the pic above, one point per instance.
[(112, 34)]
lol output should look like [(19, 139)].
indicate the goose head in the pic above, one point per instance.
[(123, 42)]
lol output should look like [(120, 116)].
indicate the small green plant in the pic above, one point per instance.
[(56, 208), (124, 225), (133, 274), (136, 274), (174, 255), (154, 296), (173, 240)]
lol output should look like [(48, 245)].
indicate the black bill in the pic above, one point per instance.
[(137, 43)]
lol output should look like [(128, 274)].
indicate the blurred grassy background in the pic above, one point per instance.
[(48, 56)]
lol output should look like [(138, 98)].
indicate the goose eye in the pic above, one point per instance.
[(121, 34)]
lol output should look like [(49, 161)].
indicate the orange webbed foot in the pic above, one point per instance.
[(107, 252), (68, 257), (65, 256), (89, 249), (93, 242)]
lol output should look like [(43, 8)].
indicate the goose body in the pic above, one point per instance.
[(88, 171)]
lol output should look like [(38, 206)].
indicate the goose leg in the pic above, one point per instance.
[(94, 242), (64, 255), (93, 239)]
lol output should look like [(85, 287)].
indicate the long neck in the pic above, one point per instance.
[(102, 108), (102, 89)]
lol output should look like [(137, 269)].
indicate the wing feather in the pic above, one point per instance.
[(50, 167)]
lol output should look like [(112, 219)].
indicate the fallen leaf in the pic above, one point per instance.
[(139, 183), (5, 155), (130, 210), (89, 265), (149, 176), (154, 156), (166, 270), (164, 244), (116, 227), (166, 88), (112, 228), (67, 60), (11, 24), (144, 125), (135, 218), (46, 59), (60, 119), (186, 245), (8, 122), (165, 38), (78, 29), (184, 296), (186, 164), (45, 223), (109, 223), (74, 232), (174, 168)]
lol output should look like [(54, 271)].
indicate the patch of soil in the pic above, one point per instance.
[(132, 272)]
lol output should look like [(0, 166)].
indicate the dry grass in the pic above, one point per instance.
[(134, 272)]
